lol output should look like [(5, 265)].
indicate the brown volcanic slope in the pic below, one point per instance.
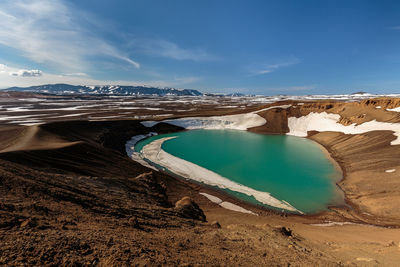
[(86, 203), (70, 196)]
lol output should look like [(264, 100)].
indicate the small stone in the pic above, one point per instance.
[(134, 222), (31, 222), (285, 231), (391, 243), (25, 223), (215, 224)]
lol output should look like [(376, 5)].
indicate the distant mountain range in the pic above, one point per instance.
[(64, 89), (119, 90)]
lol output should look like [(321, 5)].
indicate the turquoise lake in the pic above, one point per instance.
[(291, 168)]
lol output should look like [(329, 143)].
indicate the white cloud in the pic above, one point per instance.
[(4, 69), (264, 71), (78, 74), (268, 68), (7, 80), (52, 33), (27, 73), (171, 50), (284, 64), (395, 28)]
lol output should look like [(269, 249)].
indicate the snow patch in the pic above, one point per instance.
[(231, 206), (273, 107), (27, 122), (327, 224), (327, 122), (32, 99), (236, 122), (93, 118), (69, 115), (31, 123), (228, 107), (391, 170), (394, 109), (9, 118), (227, 205), (212, 198)]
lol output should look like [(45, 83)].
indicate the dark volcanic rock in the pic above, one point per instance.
[(285, 231), (189, 209), (215, 224)]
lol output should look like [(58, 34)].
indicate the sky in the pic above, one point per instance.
[(253, 47)]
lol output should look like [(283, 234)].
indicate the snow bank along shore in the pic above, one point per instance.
[(136, 156)]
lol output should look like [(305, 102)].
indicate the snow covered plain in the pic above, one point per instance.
[(64, 107)]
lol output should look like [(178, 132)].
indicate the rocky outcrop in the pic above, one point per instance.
[(189, 209)]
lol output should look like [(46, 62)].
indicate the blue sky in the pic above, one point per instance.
[(258, 47)]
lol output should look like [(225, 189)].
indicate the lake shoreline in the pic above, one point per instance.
[(154, 152), (338, 167), (338, 194)]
